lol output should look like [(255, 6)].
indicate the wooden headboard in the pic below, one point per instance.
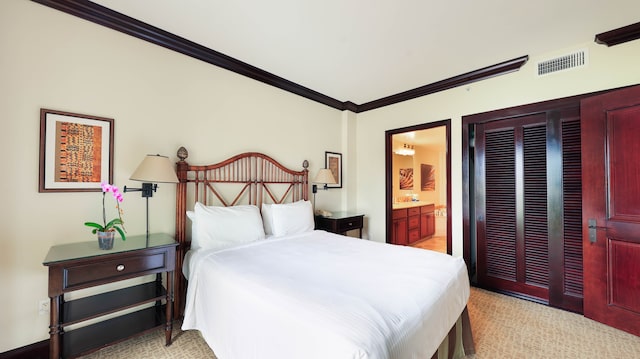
[(247, 178)]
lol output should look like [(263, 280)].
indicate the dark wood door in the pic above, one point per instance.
[(512, 231), (528, 204), (611, 208)]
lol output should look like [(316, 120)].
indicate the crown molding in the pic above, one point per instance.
[(619, 35), (101, 15), (460, 80)]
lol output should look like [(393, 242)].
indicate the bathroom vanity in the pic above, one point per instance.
[(412, 222)]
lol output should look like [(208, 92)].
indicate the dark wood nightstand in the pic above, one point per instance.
[(81, 265), (341, 222)]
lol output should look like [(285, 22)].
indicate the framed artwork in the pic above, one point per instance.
[(76, 152), (333, 161), (406, 178), (427, 177)]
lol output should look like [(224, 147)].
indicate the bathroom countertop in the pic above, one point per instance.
[(401, 205)]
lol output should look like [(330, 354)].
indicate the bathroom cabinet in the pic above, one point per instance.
[(413, 223)]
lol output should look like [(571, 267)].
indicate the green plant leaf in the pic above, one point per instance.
[(113, 222), (95, 225), (121, 233)]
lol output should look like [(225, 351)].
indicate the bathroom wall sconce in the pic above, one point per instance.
[(405, 150)]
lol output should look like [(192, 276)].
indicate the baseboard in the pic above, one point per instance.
[(39, 350)]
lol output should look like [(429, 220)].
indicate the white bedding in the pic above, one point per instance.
[(326, 296)]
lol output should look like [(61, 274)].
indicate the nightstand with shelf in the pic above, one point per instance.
[(82, 265), (341, 222)]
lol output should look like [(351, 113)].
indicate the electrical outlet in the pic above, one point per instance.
[(43, 307)]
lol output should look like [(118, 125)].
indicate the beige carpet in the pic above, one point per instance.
[(506, 327), (503, 328)]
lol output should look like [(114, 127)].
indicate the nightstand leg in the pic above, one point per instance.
[(169, 307), (54, 327)]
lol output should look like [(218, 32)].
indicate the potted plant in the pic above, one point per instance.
[(106, 230)]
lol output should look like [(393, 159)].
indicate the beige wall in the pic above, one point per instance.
[(608, 67), (161, 100)]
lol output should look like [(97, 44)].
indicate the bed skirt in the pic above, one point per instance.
[(459, 342)]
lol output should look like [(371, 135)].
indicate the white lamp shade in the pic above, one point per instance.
[(155, 169), (325, 176)]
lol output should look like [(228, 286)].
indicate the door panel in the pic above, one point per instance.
[(624, 256), (528, 206), (624, 127), (512, 230), (536, 236), (611, 208), (570, 284)]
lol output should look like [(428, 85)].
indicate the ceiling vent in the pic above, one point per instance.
[(563, 63)]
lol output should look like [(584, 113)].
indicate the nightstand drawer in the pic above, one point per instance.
[(349, 224), (82, 275)]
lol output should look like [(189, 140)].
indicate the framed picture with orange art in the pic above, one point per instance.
[(76, 152), (333, 161)]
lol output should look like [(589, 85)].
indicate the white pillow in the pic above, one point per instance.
[(224, 227), (267, 219), (291, 218), (194, 230)]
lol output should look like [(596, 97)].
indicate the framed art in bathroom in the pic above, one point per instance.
[(427, 177)]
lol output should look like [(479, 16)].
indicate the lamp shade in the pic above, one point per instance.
[(155, 169), (325, 176)]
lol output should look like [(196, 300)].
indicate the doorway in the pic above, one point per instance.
[(418, 186)]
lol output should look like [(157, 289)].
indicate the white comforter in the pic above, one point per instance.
[(321, 295)]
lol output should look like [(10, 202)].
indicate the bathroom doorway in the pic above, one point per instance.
[(418, 186)]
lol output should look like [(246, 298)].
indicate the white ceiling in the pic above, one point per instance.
[(364, 50)]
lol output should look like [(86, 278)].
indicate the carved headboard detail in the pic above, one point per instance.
[(247, 178)]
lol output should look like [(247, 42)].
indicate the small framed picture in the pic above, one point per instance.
[(333, 161), (76, 152), (427, 177)]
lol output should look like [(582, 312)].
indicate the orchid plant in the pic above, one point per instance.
[(116, 223)]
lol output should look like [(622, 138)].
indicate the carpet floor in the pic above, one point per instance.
[(503, 328)]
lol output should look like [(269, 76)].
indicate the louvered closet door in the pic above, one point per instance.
[(522, 165), (566, 238)]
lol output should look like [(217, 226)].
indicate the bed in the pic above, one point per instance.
[(258, 281)]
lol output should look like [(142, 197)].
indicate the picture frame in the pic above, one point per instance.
[(76, 152), (333, 161), (405, 178), (427, 177)]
